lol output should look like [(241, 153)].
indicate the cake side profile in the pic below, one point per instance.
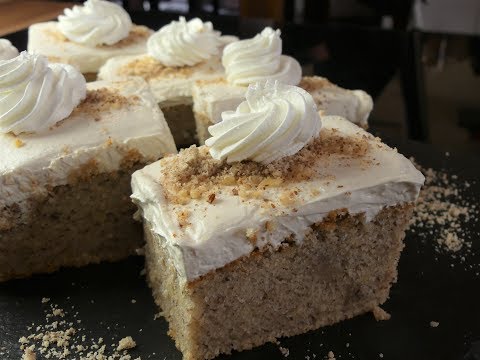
[(87, 35), (68, 151), (243, 65), (281, 225), (177, 55)]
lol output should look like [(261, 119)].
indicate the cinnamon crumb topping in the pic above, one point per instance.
[(216, 81), (137, 33), (148, 67), (211, 198), (19, 143), (312, 83), (183, 217), (194, 174), (101, 100)]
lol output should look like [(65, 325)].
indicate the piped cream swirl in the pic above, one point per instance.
[(275, 121), (259, 59), (184, 43), (35, 95), (7, 50), (97, 22)]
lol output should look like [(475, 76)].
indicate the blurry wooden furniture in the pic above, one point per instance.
[(19, 14)]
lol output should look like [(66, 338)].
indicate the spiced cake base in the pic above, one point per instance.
[(343, 268), (85, 222)]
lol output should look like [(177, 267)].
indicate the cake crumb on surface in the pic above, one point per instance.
[(57, 338), (45, 300), (285, 352), (29, 354), (442, 210), (380, 314), (434, 324), (19, 143), (126, 343), (331, 355)]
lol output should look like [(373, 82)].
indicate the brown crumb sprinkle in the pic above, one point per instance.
[(148, 67), (126, 343), (194, 173), (137, 33), (101, 100), (211, 198), (19, 143)]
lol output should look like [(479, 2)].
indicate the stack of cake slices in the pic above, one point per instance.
[(290, 216)]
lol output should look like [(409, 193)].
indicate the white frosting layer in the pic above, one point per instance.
[(7, 50), (183, 43), (35, 95), (43, 39), (355, 105), (96, 22), (172, 85), (275, 120), (46, 159), (217, 234), (260, 59)]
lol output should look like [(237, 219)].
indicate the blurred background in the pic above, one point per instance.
[(419, 59)]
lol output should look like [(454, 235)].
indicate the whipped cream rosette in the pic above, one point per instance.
[(259, 59), (184, 43), (275, 120), (35, 95), (96, 22)]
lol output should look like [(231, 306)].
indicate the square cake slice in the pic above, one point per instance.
[(171, 87), (214, 96), (64, 190), (47, 39), (239, 253)]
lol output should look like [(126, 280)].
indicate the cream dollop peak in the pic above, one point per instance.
[(35, 95), (275, 120)]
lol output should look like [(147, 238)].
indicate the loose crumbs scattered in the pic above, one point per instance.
[(434, 324), (58, 338), (442, 211)]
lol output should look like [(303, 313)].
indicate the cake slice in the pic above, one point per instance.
[(87, 35), (260, 59), (66, 165), (283, 224), (212, 97), (177, 55)]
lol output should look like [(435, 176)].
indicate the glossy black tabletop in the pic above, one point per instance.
[(113, 301)]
